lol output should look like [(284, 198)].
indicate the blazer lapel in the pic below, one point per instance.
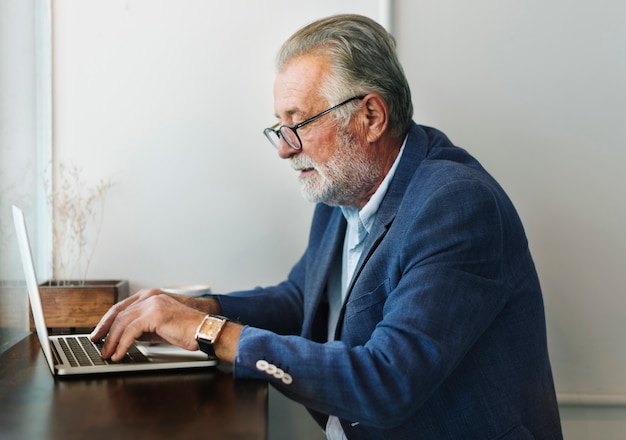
[(414, 152)]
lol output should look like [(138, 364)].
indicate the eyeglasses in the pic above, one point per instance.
[(289, 133)]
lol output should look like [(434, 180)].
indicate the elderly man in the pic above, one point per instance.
[(415, 311)]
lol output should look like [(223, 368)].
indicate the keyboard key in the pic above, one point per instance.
[(78, 352), (92, 352), (68, 353)]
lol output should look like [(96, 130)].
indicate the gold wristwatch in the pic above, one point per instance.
[(209, 331)]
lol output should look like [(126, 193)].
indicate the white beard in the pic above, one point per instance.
[(344, 180)]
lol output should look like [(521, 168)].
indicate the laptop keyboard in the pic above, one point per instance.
[(80, 351)]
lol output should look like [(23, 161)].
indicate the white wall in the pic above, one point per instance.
[(171, 98)]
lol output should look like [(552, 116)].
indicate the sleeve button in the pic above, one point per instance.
[(262, 365)]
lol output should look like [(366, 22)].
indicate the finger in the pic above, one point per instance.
[(132, 332), (112, 338), (132, 320), (102, 328), (124, 319)]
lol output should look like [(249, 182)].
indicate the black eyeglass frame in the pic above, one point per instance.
[(279, 131)]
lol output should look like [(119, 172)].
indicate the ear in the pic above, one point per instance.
[(376, 116)]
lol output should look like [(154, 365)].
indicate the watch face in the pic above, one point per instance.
[(208, 332), (210, 328)]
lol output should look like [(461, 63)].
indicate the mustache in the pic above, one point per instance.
[(301, 162)]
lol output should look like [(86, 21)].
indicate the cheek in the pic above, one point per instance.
[(322, 146)]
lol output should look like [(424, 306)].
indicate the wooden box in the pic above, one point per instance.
[(79, 306)]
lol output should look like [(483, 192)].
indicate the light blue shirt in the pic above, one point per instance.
[(360, 223)]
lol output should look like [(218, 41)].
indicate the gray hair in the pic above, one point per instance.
[(363, 60)]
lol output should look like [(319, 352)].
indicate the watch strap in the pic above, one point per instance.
[(206, 347)]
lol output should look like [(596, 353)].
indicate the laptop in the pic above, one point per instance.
[(75, 354)]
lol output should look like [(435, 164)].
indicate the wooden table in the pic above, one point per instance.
[(206, 404)]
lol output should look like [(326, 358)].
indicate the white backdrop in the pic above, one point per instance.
[(171, 98)]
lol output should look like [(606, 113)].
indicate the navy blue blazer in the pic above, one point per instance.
[(443, 332)]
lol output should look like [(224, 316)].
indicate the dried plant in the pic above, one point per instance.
[(77, 209)]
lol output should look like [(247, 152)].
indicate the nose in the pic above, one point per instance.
[(284, 150)]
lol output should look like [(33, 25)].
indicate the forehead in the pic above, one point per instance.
[(298, 84)]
